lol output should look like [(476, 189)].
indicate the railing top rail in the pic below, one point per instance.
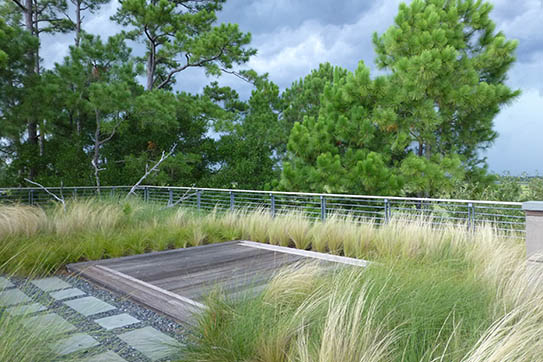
[(63, 187), (510, 203), (390, 198)]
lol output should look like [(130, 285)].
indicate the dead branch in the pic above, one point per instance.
[(185, 196), (61, 200), (163, 157), (96, 175)]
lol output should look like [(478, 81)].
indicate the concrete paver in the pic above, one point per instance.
[(5, 283), (116, 321), (89, 306), (67, 293), (50, 284), (108, 356), (78, 342), (152, 343), (25, 309), (12, 297), (50, 324)]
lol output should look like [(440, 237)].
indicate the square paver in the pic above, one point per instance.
[(25, 309), (12, 297), (117, 321), (5, 283), (108, 356), (67, 293), (50, 284), (152, 343), (50, 324), (78, 342), (89, 306)]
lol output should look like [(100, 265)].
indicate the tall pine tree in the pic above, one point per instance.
[(448, 68)]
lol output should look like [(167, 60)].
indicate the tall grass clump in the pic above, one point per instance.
[(46, 238), (21, 220), (431, 294)]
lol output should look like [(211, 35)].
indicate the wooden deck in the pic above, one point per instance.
[(175, 282)]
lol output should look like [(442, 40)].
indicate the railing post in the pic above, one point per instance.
[(471, 214), (534, 230), (387, 211), (198, 199), (231, 201), (145, 194), (323, 208), (75, 193), (272, 208), (31, 196), (170, 197)]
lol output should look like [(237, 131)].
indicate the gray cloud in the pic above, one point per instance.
[(265, 16)]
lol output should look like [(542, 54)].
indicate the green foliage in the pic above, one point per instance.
[(434, 310), (173, 30), (448, 67), (345, 149), (251, 149), (420, 129), (17, 86), (303, 98)]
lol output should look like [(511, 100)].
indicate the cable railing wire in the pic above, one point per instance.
[(503, 216)]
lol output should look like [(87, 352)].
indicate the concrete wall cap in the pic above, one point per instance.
[(532, 206)]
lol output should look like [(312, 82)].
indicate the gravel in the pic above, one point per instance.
[(108, 339)]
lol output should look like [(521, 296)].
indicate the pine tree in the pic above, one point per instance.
[(345, 149), (420, 129), (448, 70), (180, 34)]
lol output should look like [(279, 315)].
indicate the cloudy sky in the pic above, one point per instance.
[(294, 36)]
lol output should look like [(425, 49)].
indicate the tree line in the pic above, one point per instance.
[(103, 115)]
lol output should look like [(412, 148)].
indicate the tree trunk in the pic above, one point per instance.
[(151, 66), (77, 23), (96, 156), (32, 127)]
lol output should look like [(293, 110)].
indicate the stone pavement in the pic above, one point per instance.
[(85, 327)]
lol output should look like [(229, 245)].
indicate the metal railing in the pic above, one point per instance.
[(504, 216)]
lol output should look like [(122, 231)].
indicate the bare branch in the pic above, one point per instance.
[(163, 157), (101, 142), (96, 175), (61, 200), (185, 196), (239, 75)]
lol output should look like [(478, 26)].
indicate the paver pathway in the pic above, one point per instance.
[(87, 327)]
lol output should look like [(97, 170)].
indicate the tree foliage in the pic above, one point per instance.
[(104, 114), (424, 127), (181, 34)]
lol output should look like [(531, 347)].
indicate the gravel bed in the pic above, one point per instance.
[(108, 339)]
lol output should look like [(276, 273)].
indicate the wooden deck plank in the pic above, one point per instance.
[(128, 266), (216, 272), (135, 259), (247, 272), (151, 272)]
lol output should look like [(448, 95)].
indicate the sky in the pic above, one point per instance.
[(294, 36)]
